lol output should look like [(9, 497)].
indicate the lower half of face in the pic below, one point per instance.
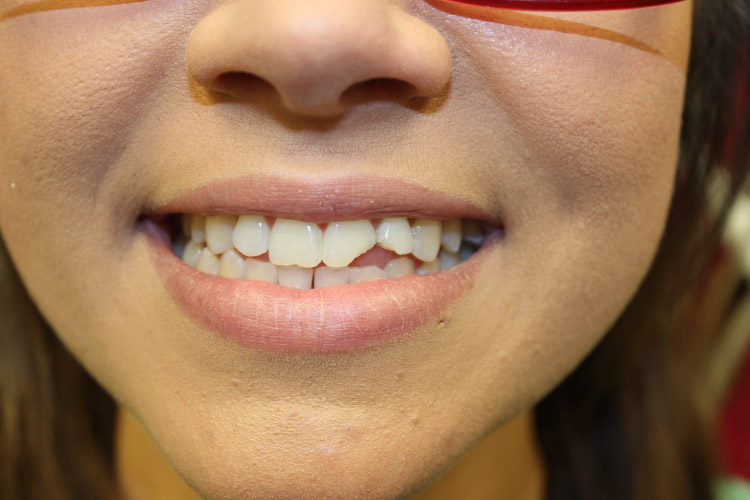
[(316, 273)]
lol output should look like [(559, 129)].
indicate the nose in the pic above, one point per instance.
[(317, 54)]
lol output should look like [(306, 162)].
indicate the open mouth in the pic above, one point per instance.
[(318, 265), (305, 255)]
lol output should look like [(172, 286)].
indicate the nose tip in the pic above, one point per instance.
[(320, 57)]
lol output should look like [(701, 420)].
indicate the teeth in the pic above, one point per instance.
[(448, 259), (429, 267), (208, 262), (426, 235), (345, 241), (178, 245), (186, 220), (368, 273), (466, 250), (296, 277), (329, 276), (219, 229), (395, 234), (399, 267), (261, 271), (451, 238), (198, 229), (251, 235), (472, 232), (232, 265), (295, 243), (224, 244), (191, 253)]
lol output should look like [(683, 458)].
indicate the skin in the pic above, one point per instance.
[(564, 125)]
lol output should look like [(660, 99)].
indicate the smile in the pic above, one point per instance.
[(312, 274), (306, 255)]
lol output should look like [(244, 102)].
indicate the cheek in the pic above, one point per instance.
[(72, 100), (585, 138)]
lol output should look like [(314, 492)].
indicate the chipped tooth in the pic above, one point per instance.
[(198, 228), (232, 265), (426, 235), (367, 273), (345, 241), (208, 262), (191, 253), (295, 243), (448, 259), (330, 276), (451, 237), (395, 234), (261, 271), (251, 235), (219, 229), (429, 267), (296, 277), (399, 267), (187, 221), (472, 231)]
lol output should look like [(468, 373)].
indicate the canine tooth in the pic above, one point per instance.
[(345, 241), (368, 273), (208, 262), (451, 237), (330, 276), (219, 229), (232, 265), (191, 253), (395, 234), (261, 271), (429, 267), (448, 259), (295, 243), (198, 228), (251, 235), (426, 235), (296, 277), (472, 231), (399, 267)]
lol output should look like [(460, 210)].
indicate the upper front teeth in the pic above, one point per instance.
[(345, 241), (296, 243), (225, 244)]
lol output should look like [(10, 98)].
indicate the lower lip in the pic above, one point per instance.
[(342, 318)]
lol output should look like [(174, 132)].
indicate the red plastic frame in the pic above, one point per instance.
[(564, 5)]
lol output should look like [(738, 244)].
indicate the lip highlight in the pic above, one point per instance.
[(339, 318)]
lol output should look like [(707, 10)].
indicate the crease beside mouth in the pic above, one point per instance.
[(305, 255)]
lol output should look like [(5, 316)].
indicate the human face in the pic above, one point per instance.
[(559, 132)]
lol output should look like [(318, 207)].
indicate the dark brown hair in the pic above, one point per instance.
[(626, 424), (623, 426)]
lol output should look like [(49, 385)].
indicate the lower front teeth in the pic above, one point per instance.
[(303, 256)]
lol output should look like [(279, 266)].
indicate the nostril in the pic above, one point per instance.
[(240, 84), (378, 89)]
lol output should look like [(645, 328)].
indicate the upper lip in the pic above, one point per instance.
[(322, 200)]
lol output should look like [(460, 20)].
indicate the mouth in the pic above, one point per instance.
[(306, 255), (273, 275)]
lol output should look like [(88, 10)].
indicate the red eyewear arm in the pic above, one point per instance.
[(565, 5)]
